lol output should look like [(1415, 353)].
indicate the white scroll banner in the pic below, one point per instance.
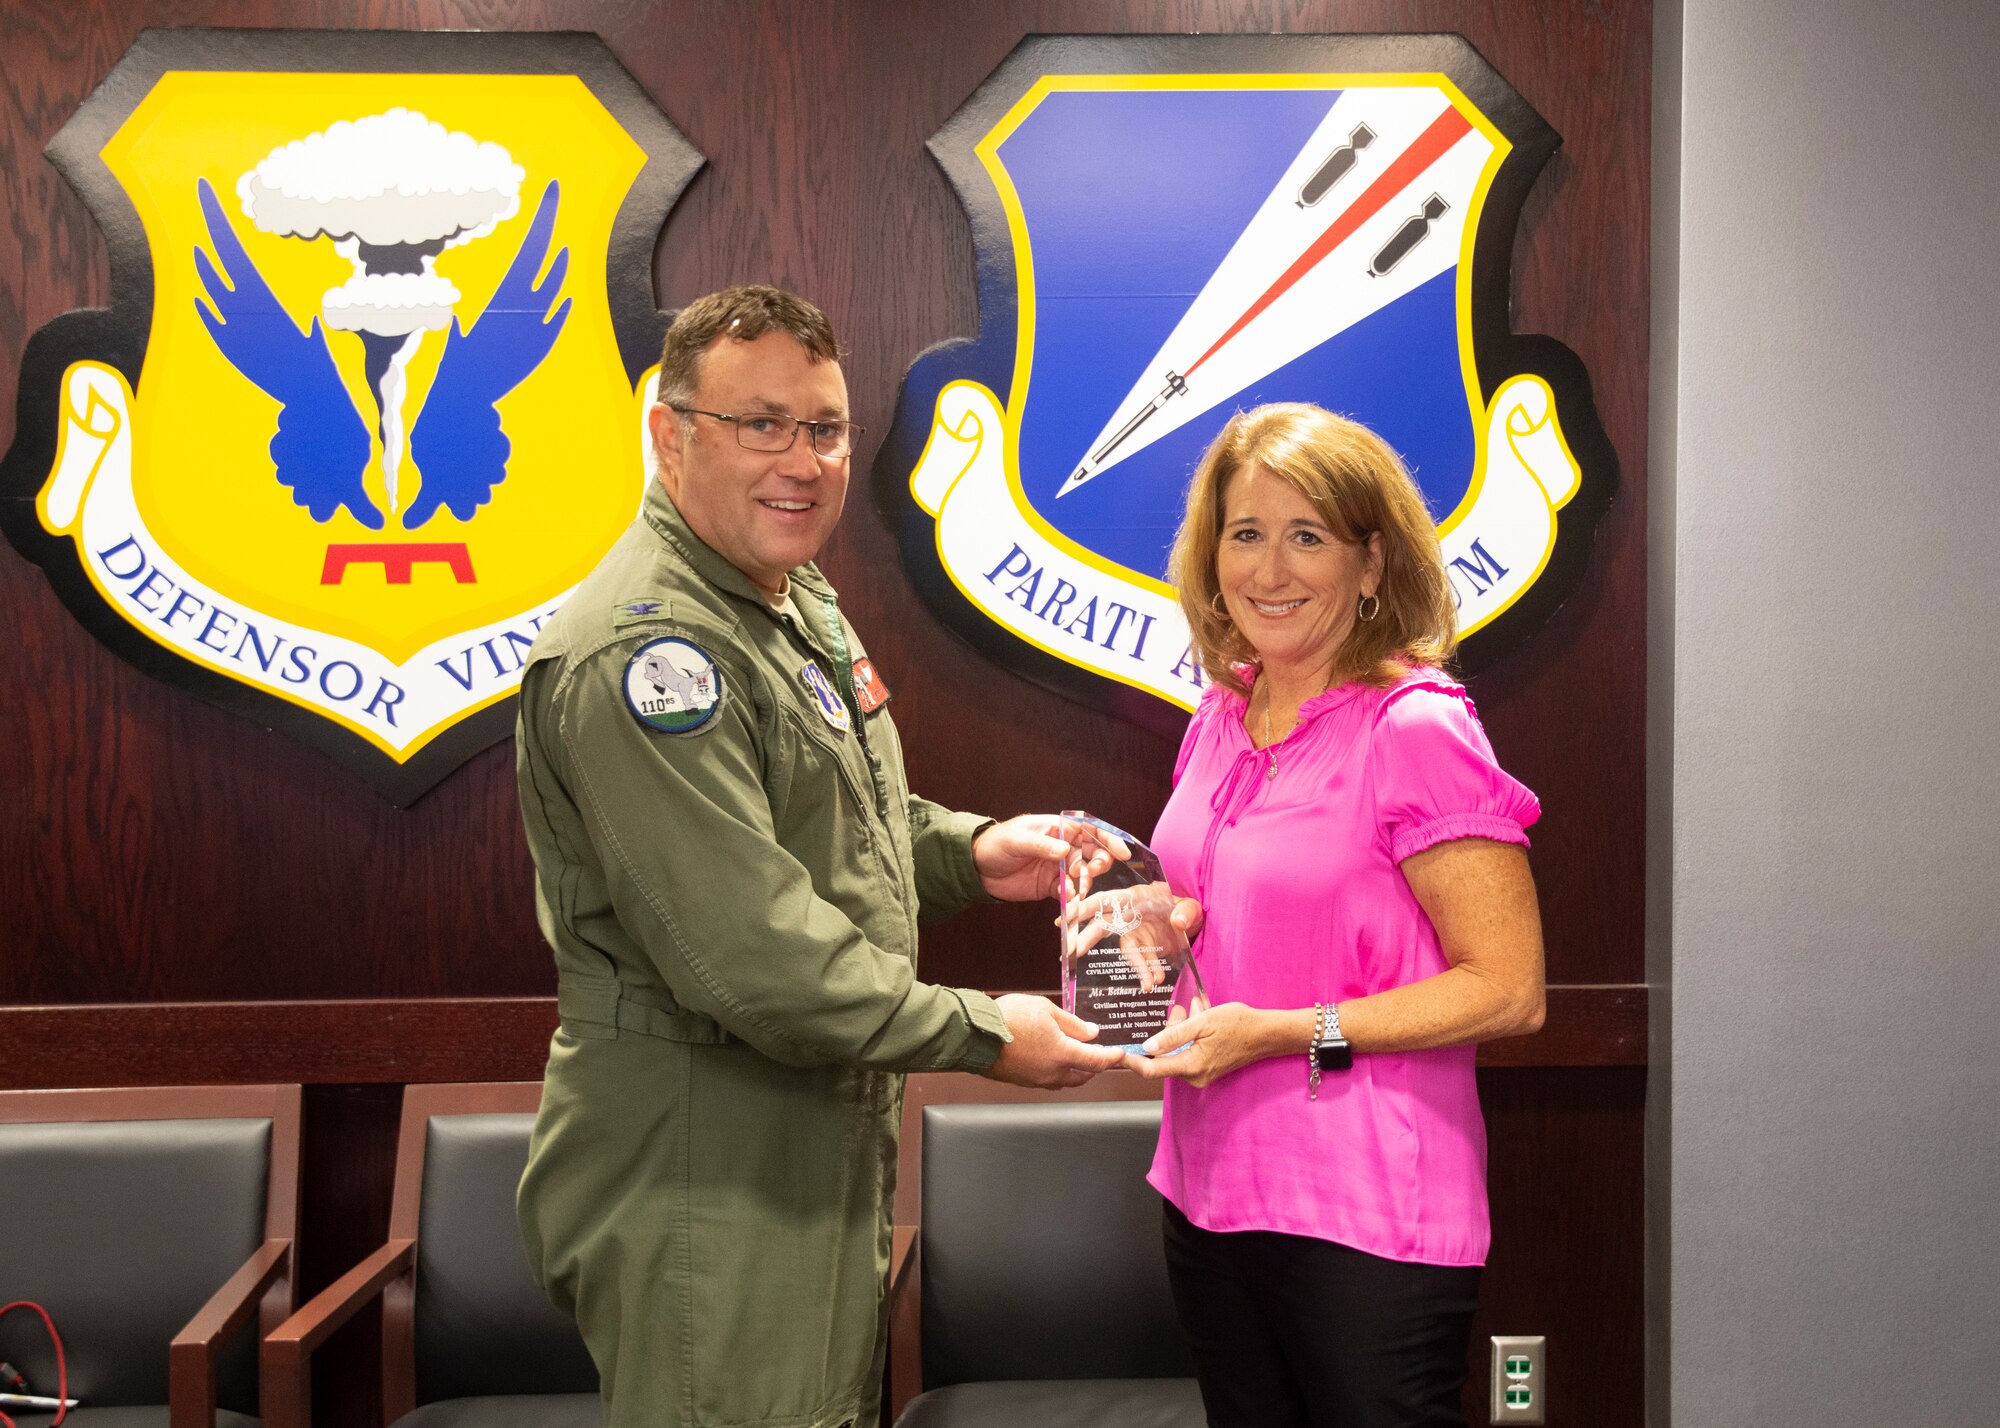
[(1500, 543), (1099, 616), (398, 707), (1087, 612)]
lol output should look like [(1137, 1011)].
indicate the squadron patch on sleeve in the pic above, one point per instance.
[(673, 685)]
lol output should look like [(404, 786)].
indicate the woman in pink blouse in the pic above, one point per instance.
[(1359, 858)]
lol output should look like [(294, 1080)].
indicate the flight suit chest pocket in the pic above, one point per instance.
[(821, 783)]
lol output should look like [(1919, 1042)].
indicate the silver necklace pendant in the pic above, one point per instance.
[(1272, 771)]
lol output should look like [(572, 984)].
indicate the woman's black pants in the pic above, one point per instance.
[(1291, 1332)]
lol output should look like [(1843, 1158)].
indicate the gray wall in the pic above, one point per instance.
[(1824, 667)]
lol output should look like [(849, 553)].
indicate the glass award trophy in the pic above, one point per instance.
[(1125, 966)]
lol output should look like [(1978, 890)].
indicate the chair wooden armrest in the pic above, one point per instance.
[(286, 1369), (902, 1253), (191, 1357), (906, 1378)]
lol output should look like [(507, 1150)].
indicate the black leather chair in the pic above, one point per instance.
[(468, 1340), (1043, 1293), (152, 1223)]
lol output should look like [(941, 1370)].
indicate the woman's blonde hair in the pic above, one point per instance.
[(1358, 486)]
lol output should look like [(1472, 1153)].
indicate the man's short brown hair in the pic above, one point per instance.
[(745, 313)]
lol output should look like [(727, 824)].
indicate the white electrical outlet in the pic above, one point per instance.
[(1520, 1378)]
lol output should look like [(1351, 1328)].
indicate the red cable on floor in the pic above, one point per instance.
[(62, 1364)]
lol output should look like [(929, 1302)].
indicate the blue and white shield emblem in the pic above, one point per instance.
[(1173, 229)]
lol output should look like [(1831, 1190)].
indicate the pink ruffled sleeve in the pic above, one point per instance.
[(1435, 776)]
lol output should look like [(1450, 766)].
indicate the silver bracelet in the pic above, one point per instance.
[(1320, 1010)]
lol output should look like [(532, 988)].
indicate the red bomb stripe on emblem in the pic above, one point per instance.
[(1333, 228)]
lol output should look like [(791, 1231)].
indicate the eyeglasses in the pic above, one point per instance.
[(769, 431)]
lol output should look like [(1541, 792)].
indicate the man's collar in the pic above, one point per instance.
[(665, 518)]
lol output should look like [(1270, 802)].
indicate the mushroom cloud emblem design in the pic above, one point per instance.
[(368, 399), (390, 191)]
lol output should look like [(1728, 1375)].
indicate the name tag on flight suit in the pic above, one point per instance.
[(869, 690)]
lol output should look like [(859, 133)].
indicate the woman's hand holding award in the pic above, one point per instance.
[(1127, 965)]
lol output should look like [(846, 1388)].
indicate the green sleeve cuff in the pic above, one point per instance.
[(989, 1030), (947, 878)]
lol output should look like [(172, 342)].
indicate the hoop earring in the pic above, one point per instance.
[(1215, 605), (1369, 607)]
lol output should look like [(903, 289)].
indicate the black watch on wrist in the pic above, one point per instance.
[(1331, 1052)]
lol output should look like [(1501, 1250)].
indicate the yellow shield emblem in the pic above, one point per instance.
[(388, 411)]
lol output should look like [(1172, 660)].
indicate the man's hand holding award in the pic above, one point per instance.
[(1127, 960)]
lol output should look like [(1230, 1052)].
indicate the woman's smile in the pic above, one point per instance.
[(1290, 582)]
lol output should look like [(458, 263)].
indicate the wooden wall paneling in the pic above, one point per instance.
[(1565, 1179), (158, 856), (377, 1040), (381, 1041), (350, 1160), (163, 850)]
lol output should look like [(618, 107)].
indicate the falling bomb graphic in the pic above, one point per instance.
[(391, 191)]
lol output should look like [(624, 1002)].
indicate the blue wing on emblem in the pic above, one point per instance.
[(458, 442), (321, 447)]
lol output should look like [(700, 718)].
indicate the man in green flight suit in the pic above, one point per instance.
[(730, 868)]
